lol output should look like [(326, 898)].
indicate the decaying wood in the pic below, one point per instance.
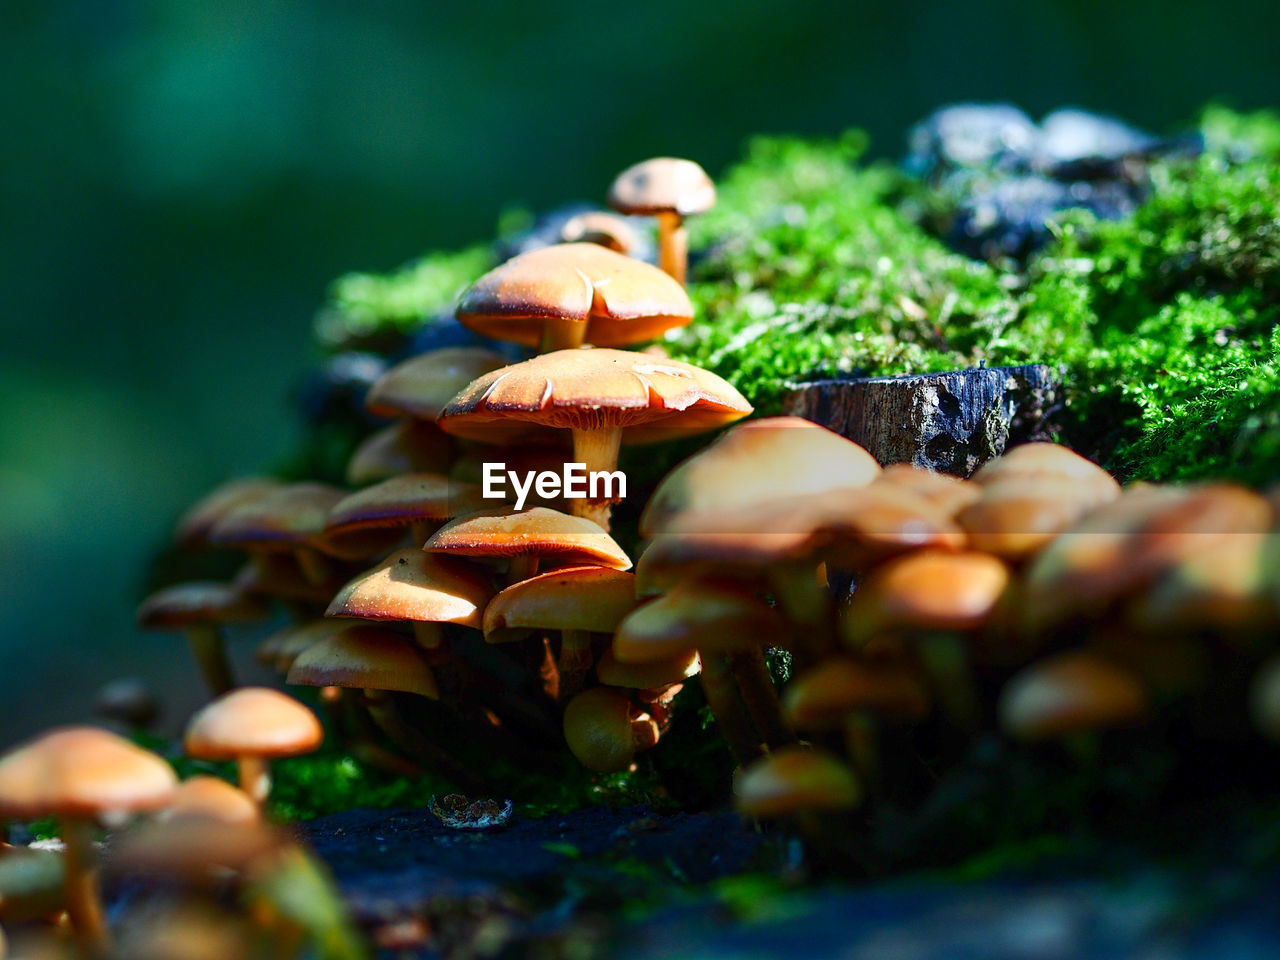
[(952, 422)]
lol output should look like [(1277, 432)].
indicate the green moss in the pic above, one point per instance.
[(811, 271), (363, 305), (816, 264)]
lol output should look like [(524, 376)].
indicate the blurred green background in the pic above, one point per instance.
[(181, 179)]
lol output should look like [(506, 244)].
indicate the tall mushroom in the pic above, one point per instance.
[(78, 774), (604, 397), (669, 189), (569, 294)]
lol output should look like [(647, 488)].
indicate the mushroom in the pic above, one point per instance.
[(526, 538), (606, 229), (605, 730), (755, 462), (32, 886), (194, 526), (418, 588), (604, 397), (949, 494), (934, 598), (408, 446), (78, 774), (212, 798), (128, 700), (291, 519), (795, 780), (253, 725), (198, 609), (563, 296), (576, 601), (727, 625), (1072, 692), (1015, 516), (421, 386), (417, 501), (669, 189)]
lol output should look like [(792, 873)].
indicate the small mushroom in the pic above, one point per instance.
[(604, 398), (210, 797), (609, 231), (253, 725), (576, 601), (78, 774), (199, 609), (129, 701), (605, 730), (1069, 693), (194, 526), (669, 189), (795, 780), (563, 296)]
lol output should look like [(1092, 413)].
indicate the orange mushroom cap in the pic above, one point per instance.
[(663, 185), (593, 598), (539, 532), (622, 301), (252, 721), (648, 398), (413, 585)]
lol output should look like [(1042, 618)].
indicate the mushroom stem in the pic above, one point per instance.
[(597, 451), (673, 245), (760, 696), (574, 662), (644, 732), (211, 656), (83, 906), (255, 778), (562, 334), (522, 567), (726, 706)]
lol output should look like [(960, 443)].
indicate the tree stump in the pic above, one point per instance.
[(951, 422)]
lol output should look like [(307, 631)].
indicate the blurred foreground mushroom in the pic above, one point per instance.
[(79, 774)]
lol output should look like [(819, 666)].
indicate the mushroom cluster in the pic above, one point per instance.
[(1037, 599)]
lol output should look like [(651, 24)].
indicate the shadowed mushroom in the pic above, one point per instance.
[(253, 725), (755, 462), (563, 296), (410, 446), (605, 730), (1069, 693), (419, 588), (576, 602), (728, 626), (291, 519), (949, 494), (129, 701), (1016, 516), (1264, 700), (79, 774), (419, 502), (194, 526), (199, 609), (604, 397), (795, 780), (669, 189), (422, 386), (934, 598), (527, 538)]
